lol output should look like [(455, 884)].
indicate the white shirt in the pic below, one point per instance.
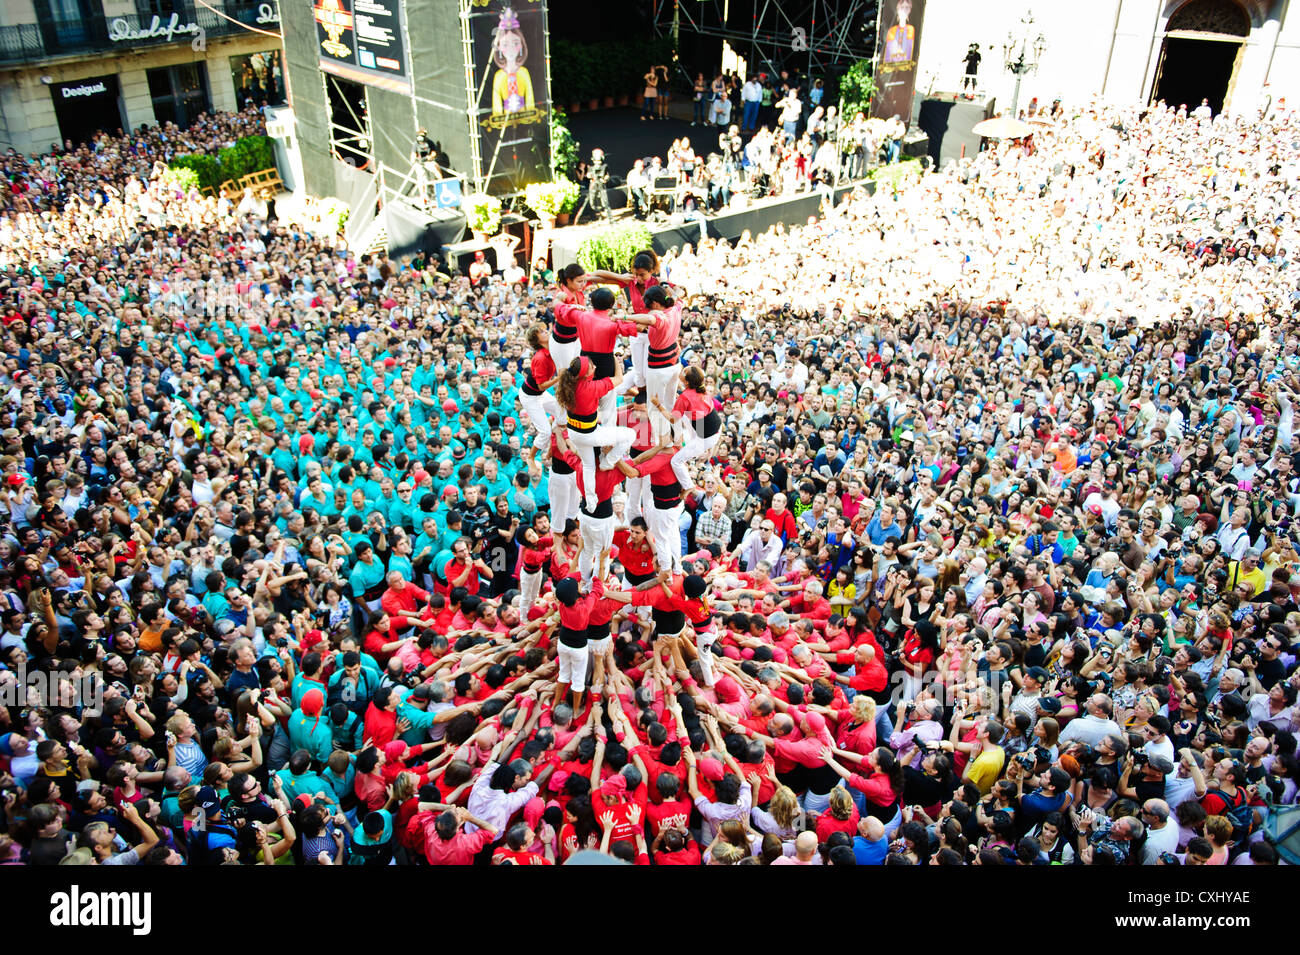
[(1164, 839), (1235, 541), (752, 92), (752, 549)]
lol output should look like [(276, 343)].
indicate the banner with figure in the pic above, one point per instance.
[(513, 93), (898, 46)]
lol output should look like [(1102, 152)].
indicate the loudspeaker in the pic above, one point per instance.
[(916, 144), (949, 125)]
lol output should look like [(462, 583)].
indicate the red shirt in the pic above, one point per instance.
[(783, 523), (454, 568), (870, 678), (519, 857), (586, 402), (670, 814), (578, 616), (607, 482), (638, 561), (406, 600), (663, 336), (536, 555), (690, 855), (460, 849), (826, 824), (541, 369)]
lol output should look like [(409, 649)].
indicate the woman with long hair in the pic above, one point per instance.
[(563, 342), (579, 394)]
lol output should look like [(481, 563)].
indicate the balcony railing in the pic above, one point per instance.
[(34, 42)]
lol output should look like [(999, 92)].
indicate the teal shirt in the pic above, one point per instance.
[(308, 784), (421, 722), (365, 576), (312, 734)]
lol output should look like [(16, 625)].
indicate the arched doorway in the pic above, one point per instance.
[(1201, 50)]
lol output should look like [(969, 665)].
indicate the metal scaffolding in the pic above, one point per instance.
[(817, 37)]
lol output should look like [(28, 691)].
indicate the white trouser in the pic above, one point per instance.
[(573, 667), (666, 536), (562, 353), (530, 585), (607, 412), (539, 409), (661, 383), (640, 348), (695, 447), (635, 490), (585, 444), (597, 536), (563, 492), (703, 641)]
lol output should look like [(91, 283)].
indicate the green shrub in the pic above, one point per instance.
[(483, 212), (612, 249), (181, 178), (248, 155), (205, 167), (564, 148), (549, 199), (857, 86)]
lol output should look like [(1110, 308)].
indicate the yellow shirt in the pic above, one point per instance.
[(986, 768), (1256, 578)]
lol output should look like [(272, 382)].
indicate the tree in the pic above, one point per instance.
[(856, 89)]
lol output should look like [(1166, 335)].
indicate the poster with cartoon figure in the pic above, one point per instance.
[(512, 86), (510, 70)]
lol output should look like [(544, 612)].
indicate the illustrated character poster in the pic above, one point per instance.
[(513, 96), (899, 46)]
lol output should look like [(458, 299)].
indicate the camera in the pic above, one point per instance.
[(1140, 758), (1026, 760), (282, 642)]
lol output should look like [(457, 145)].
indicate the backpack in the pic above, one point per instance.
[(1240, 814)]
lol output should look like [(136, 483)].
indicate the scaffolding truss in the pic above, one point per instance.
[(817, 37)]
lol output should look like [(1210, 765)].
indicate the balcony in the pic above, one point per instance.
[(56, 39)]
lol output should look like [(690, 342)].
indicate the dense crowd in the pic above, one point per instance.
[(955, 527)]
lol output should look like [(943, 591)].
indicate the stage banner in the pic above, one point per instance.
[(512, 92), (363, 41), (898, 46)]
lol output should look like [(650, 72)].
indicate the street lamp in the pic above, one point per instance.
[(1021, 56)]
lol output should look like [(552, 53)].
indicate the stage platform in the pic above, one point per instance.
[(756, 218)]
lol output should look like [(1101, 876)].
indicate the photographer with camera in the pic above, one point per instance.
[(598, 181)]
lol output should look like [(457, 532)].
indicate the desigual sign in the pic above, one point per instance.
[(88, 89)]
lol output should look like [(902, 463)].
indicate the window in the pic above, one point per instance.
[(259, 79), (179, 93)]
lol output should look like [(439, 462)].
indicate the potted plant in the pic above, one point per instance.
[(483, 213), (571, 193), (548, 199)]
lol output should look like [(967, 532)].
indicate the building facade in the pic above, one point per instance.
[(69, 68), (1241, 55)]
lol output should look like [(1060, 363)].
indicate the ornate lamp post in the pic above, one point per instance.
[(1022, 54)]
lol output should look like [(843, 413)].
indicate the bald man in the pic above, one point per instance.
[(805, 851)]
